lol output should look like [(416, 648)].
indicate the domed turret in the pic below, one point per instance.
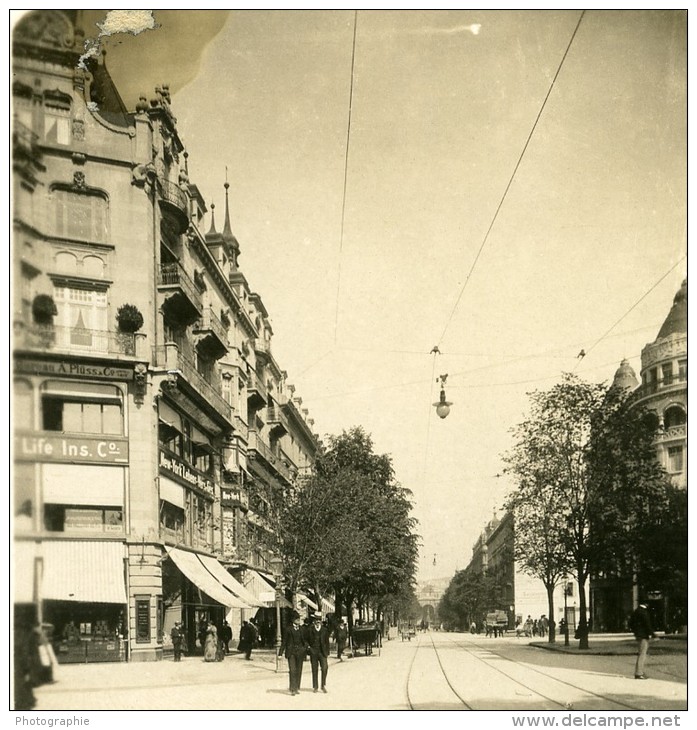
[(625, 377), (676, 321)]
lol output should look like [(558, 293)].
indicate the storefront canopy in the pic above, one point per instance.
[(83, 570), (219, 572), (262, 589), (304, 599), (200, 576)]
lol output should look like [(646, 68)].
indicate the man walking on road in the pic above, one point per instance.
[(177, 636), (640, 624), (318, 642), (341, 635), (294, 648)]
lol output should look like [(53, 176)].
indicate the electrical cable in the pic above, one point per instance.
[(346, 159), (510, 181)]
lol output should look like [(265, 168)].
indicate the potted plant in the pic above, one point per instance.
[(129, 318), (44, 309)]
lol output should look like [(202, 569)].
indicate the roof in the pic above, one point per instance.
[(676, 321)]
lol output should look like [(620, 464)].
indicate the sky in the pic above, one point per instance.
[(475, 181)]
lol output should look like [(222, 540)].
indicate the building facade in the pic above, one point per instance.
[(662, 392), (153, 427)]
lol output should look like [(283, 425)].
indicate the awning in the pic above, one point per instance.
[(87, 571), (172, 492), (256, 585), (229, 582), (327, 606), (304, 599), (194, 570)]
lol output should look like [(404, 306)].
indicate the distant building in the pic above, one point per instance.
[(152, 424)]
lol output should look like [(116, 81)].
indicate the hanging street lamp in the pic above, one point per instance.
[(442, 405)]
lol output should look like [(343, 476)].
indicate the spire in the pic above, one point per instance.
[(212, 231), (227, 229), (676, 321)]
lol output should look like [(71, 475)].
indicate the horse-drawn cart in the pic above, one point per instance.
[(365, 637), (406, 632)]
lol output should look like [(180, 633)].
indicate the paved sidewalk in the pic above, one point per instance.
[(616, 645)]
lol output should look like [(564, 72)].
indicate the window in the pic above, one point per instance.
[(82, 518), (172, 520), (667, 373), (674, 416), (81, 216), (675, 459), (57, 119), (682, 369), (82, 318), (81, 408)]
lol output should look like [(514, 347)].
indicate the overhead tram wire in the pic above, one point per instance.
[(510, 181), (346, 159), (638, 301)]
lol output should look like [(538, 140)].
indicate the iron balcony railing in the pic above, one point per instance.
[(175, 198), (254, 443), (180, 357), (173, 276), (254, 384), (209, 322), (76, 339)]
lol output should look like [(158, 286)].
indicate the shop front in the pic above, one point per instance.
[(81, 588)]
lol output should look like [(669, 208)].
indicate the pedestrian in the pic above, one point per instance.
[(341, 636), (248, 637), (226, 636), (177, 635), (317, 636), (210, 645), (294, 648), (202, 629), (640, 624)]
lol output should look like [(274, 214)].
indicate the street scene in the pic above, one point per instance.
[(434, 671), (349, 360)]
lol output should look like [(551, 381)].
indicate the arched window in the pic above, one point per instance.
[(674, 416)]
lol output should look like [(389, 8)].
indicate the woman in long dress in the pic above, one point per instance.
[(211, 646)]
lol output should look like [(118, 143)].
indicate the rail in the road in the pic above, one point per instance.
[(430, 684)]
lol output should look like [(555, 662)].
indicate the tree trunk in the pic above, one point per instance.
[(338, 602), (583, 623), (552, 636)]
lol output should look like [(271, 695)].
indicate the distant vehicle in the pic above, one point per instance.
[(496, 621)]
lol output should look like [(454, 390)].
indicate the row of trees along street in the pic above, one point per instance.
[(590, 498), (346, 531)]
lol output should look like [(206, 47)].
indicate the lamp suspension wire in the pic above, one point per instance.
[(346, 160), (510, 181)]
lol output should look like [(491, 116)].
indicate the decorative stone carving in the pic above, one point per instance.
[(140, 382), (48, 28), (79, 180)]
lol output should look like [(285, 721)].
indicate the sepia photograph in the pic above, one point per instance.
[(348, 360)]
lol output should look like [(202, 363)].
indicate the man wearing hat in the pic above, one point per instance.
[(318, 647), (341, 636), (177, 636), (294, 648)]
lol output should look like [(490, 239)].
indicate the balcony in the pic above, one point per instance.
[(257, 447), (212, 335), (180, 359), (78, 340), (173, 203), (277, 420), (262, 346), (182, 298), (257, 395), (658, 385)]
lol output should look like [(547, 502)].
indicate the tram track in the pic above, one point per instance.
[(547, 695)]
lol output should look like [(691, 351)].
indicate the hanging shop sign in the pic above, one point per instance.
[(73, 368), (183, 473), (83, 449)]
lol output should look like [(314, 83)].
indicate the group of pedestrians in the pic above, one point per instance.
[(311, 641), (215, 643)]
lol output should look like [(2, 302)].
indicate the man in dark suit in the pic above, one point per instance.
[(294, 648), (640, 624), (317, 636)]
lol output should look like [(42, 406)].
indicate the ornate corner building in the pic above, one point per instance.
[(153, 427)]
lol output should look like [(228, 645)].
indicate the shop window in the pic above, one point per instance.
[(82, 518), (675, 459), (81, 408), (80, 215)]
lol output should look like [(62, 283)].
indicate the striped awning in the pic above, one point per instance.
[(308, 602), (327, 606), (190, 565), (219, 572), (83, 570)]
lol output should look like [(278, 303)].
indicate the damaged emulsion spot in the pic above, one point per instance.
[(118, 21)]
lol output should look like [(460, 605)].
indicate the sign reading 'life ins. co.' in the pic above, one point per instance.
[(84, 449)]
